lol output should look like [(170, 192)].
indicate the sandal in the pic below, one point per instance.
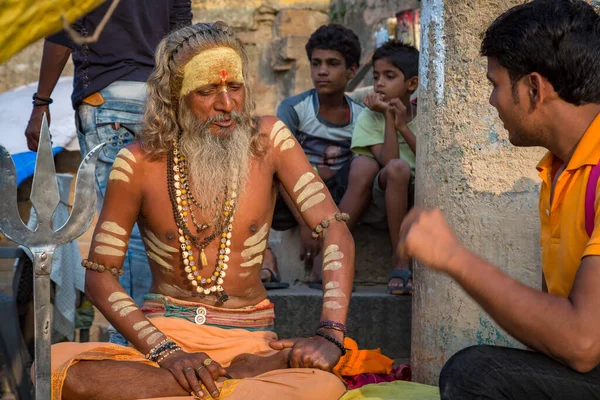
[(274, 281), (405, 275)]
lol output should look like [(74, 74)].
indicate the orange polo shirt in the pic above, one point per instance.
[(564, 239)]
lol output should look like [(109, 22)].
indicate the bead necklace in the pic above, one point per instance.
[(179, 192)]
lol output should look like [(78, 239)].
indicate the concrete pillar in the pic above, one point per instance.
[(466, 166)]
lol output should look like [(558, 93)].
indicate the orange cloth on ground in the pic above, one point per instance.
[(357, 362), (222, 345), (563, 238)]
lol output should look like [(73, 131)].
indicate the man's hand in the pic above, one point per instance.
[(32, 132), (190, 370), (310, 248), (400, 114), (426, 236), (313, 352), (375, 102)]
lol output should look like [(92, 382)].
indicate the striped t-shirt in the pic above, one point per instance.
[(324, 143)]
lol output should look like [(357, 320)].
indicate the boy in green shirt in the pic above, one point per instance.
[(385, 131)]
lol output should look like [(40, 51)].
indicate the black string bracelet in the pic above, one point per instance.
[(44, 101), (332, 340)]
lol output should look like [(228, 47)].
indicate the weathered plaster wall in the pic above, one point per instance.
[(466, 166)]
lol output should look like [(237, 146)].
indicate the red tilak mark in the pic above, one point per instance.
[(223, 75)]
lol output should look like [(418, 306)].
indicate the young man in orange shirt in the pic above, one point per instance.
[(544, 64)]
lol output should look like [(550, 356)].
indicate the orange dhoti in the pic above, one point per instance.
[(221, 344)]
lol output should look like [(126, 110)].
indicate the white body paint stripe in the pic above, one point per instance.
[(334, 293), (309, 190), (330, 249), (160, 244), (281, 136), (108, 251), (258, 236), (245, 274), (109, 239), (259, 248), (288, 144), (332, 285), (313, 201), (336, 255), (139, 325), (303, 180), (146, 331), (332, 304), (127, 154), (122, 164), (254, 261), (113, 227), (116, 175), (157, 250), (154, 338), (128, 310), (333, 266), (159, 261), (277, 126), (119, 305), (118, 296)]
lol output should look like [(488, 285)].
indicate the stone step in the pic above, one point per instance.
[(376, 318), (373, 263)]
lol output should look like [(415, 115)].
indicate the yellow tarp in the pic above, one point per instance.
[(397, 390), (22, 22)]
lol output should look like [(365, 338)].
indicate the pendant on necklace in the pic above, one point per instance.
[(203, 258)]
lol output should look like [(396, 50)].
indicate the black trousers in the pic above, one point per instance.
[(489, 372)]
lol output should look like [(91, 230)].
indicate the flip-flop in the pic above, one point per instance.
[(275, 282), (405, 275)]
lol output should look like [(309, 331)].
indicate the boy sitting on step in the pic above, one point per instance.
[(385, 131)]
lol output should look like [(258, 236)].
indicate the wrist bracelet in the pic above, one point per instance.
[(338, 326), (332, 340), (47, 101)]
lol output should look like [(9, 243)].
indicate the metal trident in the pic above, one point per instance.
[(44, 239)]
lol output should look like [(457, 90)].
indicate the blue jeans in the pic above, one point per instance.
[(489, 372), (117, 123)]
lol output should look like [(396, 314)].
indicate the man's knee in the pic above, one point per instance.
[(464, 374), (398, 171)]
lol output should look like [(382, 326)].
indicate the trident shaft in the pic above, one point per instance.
[(43, 240)]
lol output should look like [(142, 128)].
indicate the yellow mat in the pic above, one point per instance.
[(397, 390), (22, 22)]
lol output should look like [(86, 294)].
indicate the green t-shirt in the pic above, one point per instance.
[(370, 131)]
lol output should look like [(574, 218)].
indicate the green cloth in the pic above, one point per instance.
[(370, 131), (397, 390)]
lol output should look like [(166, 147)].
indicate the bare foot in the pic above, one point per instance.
[(249, 365)]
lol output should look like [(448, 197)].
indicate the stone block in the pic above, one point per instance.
[(375, 319), (296, 22)]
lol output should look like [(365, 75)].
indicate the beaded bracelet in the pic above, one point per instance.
[(157, 351), (94, 266), (332, 340), (318, 231), (338, 326), (167, 353)]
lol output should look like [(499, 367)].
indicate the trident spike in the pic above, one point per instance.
[(44, 189), (44, 240)]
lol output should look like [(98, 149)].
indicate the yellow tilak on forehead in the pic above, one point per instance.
[(210, 67)]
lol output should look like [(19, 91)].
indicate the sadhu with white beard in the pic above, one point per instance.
[(201, 183)]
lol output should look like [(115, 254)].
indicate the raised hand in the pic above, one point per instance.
[(375, 102), (426, 236)]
